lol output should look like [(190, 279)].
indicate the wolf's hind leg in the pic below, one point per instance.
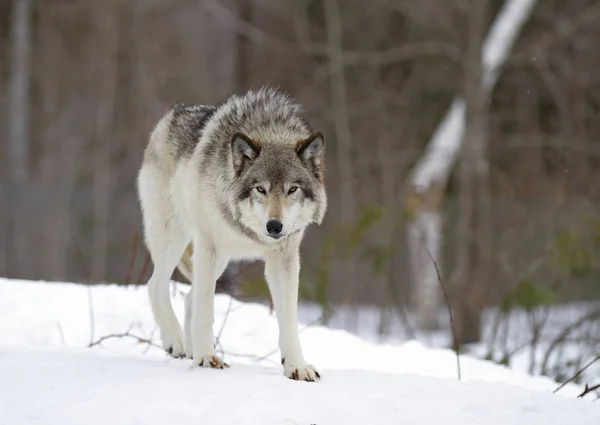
[(166, 242), (165, 262)]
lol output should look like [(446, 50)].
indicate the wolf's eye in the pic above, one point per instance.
[(292, 189), (261, 190)]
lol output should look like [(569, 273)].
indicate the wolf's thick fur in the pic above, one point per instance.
[(237, 181)]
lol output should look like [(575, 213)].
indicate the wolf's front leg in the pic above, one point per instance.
[(282, 271), (208, 265)]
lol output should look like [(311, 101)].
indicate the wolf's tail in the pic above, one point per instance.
[(226, 283)]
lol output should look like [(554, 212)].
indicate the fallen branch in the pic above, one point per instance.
[(251, 356), (149, 346), (455, 337), (588, 390), (574, 377), (127, 334)]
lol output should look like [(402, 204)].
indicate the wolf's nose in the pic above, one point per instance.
[(274, 227)]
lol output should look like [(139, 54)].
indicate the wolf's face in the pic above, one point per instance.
[(280, 187)]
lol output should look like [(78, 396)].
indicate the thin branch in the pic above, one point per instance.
[(144, 269), (85, 271), (127, 334), (150, 345), (270, 353), (455, 337), (91, 310), (251, 356), (564, 334), (350, 57), (588, 390), (132, 259), (561, 31), (579, 372), (218, 338), (82, 264)]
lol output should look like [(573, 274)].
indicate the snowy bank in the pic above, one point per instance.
[(48, 375), (74, 387)]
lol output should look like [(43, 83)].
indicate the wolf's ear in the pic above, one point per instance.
[(244, 152), (311, 152), (312, 149)]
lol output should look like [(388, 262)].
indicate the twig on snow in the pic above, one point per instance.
[(574, 377), (127, 334), (588, 390), (455, 337), (150, 345), (252, 356)]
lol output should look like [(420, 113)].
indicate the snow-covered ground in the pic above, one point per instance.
[(512, 334), (49, 376)]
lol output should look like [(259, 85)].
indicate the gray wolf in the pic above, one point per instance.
[(225, 183)]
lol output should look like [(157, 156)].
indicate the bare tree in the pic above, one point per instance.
[(343, 136), (107, 73), (338, 90), (473, 264), (18, 127), (429, 177)]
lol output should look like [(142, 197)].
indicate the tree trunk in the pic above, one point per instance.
[(341, 124), (244, 49), (473, 264), (428, 180), (340, 111), (18, 135), (107, 68), (60, 141)]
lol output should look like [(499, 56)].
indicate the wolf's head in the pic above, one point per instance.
[(272, 160), (280, 185)]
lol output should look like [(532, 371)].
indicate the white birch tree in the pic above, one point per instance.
[(429, 177)]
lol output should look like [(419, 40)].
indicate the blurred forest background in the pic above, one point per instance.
[(504, 195)]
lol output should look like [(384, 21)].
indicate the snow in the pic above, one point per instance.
[(76, 387), (513, 334), (49, 376)]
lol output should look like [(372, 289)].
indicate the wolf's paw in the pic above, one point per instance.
[(174, 349), (209, 360), (304, 372)]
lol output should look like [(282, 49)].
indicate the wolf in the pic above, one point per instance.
[(220, 184)]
